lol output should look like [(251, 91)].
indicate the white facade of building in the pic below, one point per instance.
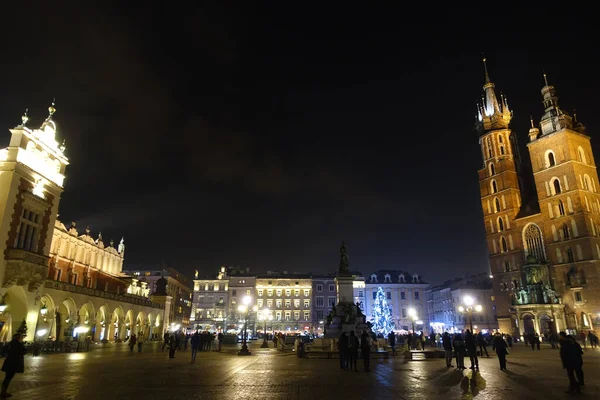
[(403, 292)]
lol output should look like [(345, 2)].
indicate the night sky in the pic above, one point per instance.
[(264, 136)]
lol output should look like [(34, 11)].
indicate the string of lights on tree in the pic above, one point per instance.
[(382, 321)]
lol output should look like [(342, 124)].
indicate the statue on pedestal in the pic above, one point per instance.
[(344, 268)]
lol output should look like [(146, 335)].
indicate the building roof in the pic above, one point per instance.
[(469, 281), (394, 276)]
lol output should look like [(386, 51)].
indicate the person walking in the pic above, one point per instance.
[(459, 349), (132, 342), (365, 349), (501, 349), (447, 345), (14, 363), (195, 343), (392, 342), (572, 360), (471, 345), (172, 346), (140, 341), (482, 345)]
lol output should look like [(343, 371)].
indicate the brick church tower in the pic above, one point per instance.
[(544, 246)]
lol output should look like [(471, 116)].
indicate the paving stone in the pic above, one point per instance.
[(112, 372)]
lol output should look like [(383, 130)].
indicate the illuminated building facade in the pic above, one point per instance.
[(403, 291), (210, 302), (324, 297), (443, 302), (289, 299), (59, 282), (543, 238), (241, 285), (179, 288)]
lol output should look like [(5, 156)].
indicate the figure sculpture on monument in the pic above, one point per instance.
[(344, 268)]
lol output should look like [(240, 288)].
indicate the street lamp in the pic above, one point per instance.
[(265, 315), (470, 307), (412, 313), (243, 308)]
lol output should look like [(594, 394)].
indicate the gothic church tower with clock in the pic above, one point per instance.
[(544, 243)]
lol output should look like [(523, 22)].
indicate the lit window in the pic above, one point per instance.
[(260, 292), (288, 292), (279, 292), (306, 292), (306, 303), (29, 229)]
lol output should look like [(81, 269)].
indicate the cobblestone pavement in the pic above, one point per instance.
[(113, 372)]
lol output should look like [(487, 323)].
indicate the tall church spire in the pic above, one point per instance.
[(554, 119), (492, 114)]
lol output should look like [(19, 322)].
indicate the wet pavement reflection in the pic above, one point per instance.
[(115, 373)]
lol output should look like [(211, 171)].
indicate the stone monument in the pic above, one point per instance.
[(345, 315)]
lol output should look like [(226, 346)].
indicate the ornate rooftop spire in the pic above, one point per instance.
[(492, 114), (52, 109), (25, 118)]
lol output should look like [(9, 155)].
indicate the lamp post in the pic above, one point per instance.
[(265, 315), (412, 313), (244, 308), (468, 308)]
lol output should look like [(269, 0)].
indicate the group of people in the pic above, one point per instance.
[(473, 346), (348, 346), (199, 341)]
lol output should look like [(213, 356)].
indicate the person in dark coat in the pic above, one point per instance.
[(14, 362), (572, 360), (132, 341), (459, 350), (392, 342), (365, 349), (501, 350), (471, 345), (195, 342), (352, 350), (482, 344), (447, 344)]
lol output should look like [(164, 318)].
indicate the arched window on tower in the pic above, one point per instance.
[(500, 138), (501, 149), (570, 257), (494, 186), (492, 169), (506, 266), (581, 155), (497, 204), (556, 186), (533, 242), (561, 208), (587, 182), (503, 244), (565, 232), (500, 224), (551, 160)]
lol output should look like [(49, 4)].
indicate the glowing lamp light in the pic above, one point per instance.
[(242, 308), (44, 310), (38, 189), (478, 308), (461, 309), (412, 312), (468, 300), (42, 332), (2, 307), (419, 322), (246, 300), (81, 329)]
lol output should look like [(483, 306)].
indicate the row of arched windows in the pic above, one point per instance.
[(501, 146), (550, 157), (564, 232)]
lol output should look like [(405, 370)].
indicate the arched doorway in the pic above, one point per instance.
[(528, 325), (46, 320), (102, 323), (117, 323), (65, 319), (15, 313)]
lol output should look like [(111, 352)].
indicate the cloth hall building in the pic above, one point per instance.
[(542, 219), (62, 283)]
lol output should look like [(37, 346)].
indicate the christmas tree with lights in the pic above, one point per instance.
[(381, 317)]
